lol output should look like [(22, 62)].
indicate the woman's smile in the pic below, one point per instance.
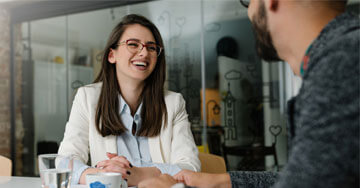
[(140, 64)]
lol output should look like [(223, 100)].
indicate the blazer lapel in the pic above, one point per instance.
[(155, 149), (110, 144)]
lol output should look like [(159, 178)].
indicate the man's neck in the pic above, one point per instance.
[(300, 34)]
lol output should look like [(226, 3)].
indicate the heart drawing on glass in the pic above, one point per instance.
[(180, 21), (275, 130)]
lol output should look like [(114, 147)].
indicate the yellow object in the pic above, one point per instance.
[(203, 149), (212, 163), (212, 105), (58, 60)]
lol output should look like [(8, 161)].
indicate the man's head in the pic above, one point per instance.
[(272, 19)]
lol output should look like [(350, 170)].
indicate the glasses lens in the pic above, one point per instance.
[(153, 49), (133, 46)]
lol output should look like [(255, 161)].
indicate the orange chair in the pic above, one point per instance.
[(6, 166), (212, 163)]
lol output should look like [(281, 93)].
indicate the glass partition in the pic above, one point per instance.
[(234, 81), (44, 87), (242, 93)]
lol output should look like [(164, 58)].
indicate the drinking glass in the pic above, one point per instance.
[(55, 170)]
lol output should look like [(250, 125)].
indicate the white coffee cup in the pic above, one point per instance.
[(105, 180)]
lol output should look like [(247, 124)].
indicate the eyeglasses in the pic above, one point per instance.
[(245, 3), (135, 46)]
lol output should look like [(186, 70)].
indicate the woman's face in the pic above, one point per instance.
[(132, 64)]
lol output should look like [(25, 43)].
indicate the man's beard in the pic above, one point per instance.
[(264, 44)]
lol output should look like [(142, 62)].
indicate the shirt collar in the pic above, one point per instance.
[(305, 61), (124, 108)]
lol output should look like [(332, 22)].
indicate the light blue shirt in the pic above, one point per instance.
[(134, 148)]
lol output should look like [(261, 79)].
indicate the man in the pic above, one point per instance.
[(321, 44)]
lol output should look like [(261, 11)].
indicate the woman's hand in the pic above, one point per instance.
[(138, 174), (132, 174), (115, 164)]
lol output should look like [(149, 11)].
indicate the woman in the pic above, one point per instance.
[(125, 120)]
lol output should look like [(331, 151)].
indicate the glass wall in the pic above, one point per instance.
[(243, 108), (44, 91), (233, 80)]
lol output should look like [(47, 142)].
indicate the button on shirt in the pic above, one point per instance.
[(134, 148)]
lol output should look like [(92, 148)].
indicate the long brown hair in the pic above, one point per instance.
[(153, 113)]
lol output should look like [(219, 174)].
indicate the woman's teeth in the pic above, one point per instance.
[(138, 63)]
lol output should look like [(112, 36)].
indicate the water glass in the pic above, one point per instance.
[(55, 170)]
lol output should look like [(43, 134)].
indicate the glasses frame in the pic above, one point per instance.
[(245, 3), (142, 46)]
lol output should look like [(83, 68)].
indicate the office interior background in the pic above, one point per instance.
[(236, 103)]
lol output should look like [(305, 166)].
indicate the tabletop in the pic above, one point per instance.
[(28, 182)]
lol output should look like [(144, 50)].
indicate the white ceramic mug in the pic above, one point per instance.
[(105, 180)]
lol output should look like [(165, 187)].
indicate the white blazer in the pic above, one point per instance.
[(174, 145)]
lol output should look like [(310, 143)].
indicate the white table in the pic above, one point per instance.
[(22, 182)]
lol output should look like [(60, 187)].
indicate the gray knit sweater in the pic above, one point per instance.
[(323, 126)]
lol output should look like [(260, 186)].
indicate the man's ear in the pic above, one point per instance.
[(111, 56), (273, 4)]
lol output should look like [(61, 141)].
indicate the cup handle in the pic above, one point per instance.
[(124, 184)]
